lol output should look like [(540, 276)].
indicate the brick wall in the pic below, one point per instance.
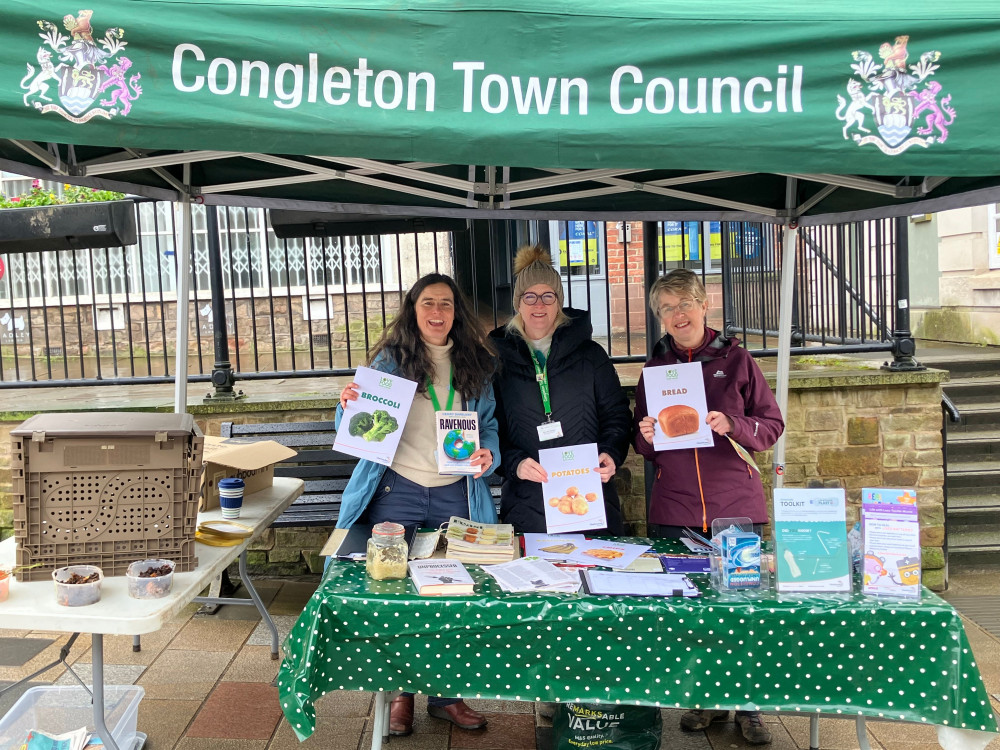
[(844, 430)]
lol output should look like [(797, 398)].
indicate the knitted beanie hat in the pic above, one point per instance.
[(533, 265)]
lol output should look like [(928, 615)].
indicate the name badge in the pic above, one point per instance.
[(550, 430)]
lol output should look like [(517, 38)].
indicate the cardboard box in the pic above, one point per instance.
[(250, 460)]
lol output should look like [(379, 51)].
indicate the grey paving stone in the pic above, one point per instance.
[(114, 674), (261, 636), (9, 698), (16, 652)]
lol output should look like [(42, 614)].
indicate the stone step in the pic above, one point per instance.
[(979, 363), (976, 419), (977, 538), (988, 471), (965, 504), (974, 391), (973, 449)]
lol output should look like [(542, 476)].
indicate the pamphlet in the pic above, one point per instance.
[(608, 554), (371, 425), (38, 740), (638, 584), (574, 497), (534, 574), (891, 529), (675, 397), (457, 440), (481, 543), (439, 577), (685, 563), (551, 546), (810, 532)]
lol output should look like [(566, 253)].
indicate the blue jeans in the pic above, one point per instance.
[(399, 500)]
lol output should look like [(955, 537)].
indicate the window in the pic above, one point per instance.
[(994, 235)]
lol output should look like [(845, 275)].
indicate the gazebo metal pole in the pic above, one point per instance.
[(786, 302), (183, 271)]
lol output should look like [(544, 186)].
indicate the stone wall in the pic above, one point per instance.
[(845, 429)]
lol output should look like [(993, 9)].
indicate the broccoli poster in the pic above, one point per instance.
[(371, 425)]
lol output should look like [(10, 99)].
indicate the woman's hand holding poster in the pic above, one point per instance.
[(574, 498), (372, 424), (675, 398)]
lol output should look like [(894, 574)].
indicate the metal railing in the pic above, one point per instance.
[(299, 307)]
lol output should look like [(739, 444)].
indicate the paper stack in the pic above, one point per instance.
[(534, 574), (479, 543)]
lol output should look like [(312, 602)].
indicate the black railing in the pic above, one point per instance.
[(311, 306)]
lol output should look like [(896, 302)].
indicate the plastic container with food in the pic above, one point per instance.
[(78, 585), (5, 576), (150, 579)]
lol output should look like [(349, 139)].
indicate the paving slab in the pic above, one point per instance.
[(16, 652), (342, 734), (114, 674), (502, 732), (201, 743), (252, 664), (11, 696), (238, 710), (267, 589), (164, 721), (345, 703), (184, 675), (261, 635), (209, 634), (834, 734)]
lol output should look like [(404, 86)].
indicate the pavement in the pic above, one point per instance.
[(208, 686), (208, 678)]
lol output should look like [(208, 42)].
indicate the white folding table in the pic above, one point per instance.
[(32, 605)]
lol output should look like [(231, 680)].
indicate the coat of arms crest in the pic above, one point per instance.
[(899, 96), (89, 78)]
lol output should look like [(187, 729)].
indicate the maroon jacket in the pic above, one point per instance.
[(694, 486)]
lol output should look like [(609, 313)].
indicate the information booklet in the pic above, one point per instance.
[(810, 534), (457, 440), (437, 577), (574, 496), (606, 553), (534, 574), (638, 584), (551, 546), (481, 543), (891, 529), (371, 425), (675, 397)]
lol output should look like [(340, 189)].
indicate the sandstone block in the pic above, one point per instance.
[(284, 555), (862, 431), (932, 536), (933, 579), (901, 477), (818, 420), (932, 558), (845, 462), (922, 458)]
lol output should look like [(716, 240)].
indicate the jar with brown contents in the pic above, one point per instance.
[(387, 552)]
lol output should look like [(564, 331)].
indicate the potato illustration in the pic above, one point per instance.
[(580, 506), (572, 492), (591, 497), (566, 505), (554, 501)]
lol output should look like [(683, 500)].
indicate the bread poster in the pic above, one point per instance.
[(675, 398)]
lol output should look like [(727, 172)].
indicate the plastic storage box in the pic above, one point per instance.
[(57, 709), (106, 489)]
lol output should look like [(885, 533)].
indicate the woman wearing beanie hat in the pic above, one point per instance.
[(553, 373)]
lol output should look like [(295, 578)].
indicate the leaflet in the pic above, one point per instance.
[(810, 532), (551, 546), (372, 425), (638, 584), (675, 397), (534, 574), (607, 553), (891, 529), (574, 497)]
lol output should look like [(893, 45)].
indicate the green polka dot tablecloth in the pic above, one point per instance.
[(838, 654)]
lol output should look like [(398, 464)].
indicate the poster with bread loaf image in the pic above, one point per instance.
[(675, 398), (573, 496)]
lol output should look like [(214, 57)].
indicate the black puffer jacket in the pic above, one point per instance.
[(587, 398)]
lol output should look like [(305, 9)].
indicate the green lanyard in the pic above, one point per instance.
[(542, 376), (451, 391)]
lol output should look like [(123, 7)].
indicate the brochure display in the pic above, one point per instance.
[(372, 424), (675, 396), (810, 534), (457, 440), (891, 529), (574, 497)]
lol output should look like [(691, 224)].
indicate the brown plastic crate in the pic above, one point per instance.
[(104, 478), (113, 558)]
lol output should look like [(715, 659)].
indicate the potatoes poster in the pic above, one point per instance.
[(574, 498)]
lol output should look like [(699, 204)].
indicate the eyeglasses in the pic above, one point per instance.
[(531, 299), (685, 307)]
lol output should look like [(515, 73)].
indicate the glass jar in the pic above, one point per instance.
[(387, 552)]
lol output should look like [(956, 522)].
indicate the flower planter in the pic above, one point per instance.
[(68, 226)]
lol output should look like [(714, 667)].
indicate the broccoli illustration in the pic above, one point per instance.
[(361, 423), (384, 424)]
